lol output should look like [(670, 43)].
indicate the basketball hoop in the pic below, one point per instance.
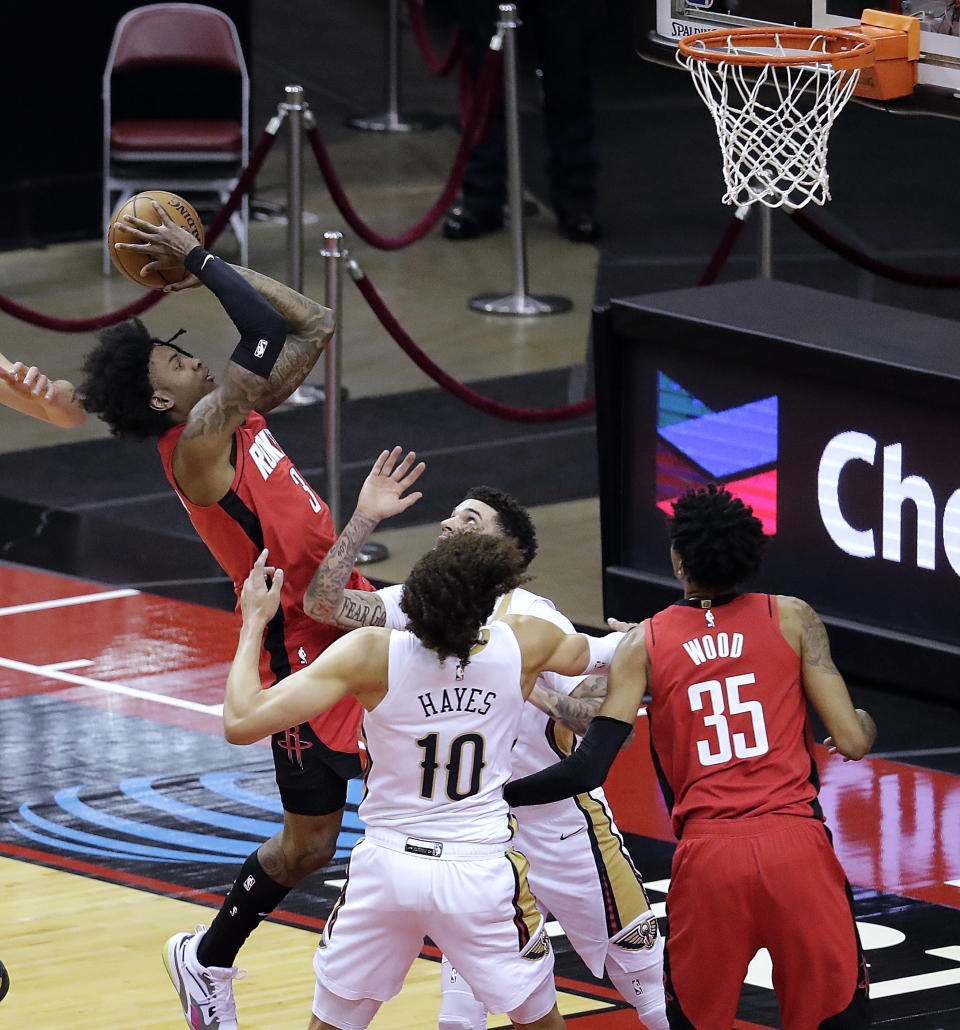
[(774, 94)]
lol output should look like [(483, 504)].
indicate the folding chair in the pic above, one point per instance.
[(165, 141)]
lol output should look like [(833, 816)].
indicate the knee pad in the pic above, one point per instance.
[(459, 1009), (637, 973)]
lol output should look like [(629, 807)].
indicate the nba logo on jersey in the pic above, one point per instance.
[(697, 445), (261, 349), (711, 618)]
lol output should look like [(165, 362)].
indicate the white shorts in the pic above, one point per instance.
[(473, 902), (584, 847)]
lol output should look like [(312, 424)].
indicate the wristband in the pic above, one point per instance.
[(601, 651)]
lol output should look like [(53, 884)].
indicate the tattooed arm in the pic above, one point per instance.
[(851, 730), (382, 495), (591, 686), (575, 713), (309, 328), (575, 710)]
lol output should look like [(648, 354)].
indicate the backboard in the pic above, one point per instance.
[(938, 73)]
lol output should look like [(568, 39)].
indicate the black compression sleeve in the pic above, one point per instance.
[(581, 771), (262, 328)]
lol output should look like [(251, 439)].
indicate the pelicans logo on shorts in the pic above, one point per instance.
[(641, 937), (538, 948)]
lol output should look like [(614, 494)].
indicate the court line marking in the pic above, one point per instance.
[(62, 602), (917, 753), (51, 672)]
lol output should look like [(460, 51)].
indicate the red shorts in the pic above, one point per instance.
[(772, 882)]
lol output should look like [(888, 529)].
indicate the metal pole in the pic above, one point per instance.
[(765, 243), (332, 251), (294, 106), (520, 302), (391, 120), (300, 117)]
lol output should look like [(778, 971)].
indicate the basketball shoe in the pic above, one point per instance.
[(206, 992)]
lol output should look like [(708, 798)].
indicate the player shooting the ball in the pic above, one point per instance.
[(243, 494)]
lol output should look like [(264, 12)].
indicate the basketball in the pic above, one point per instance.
[(130, 262)]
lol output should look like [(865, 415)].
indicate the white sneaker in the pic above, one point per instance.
[(206, 992)]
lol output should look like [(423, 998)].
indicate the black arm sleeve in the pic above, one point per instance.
[(262, 328), (581, 771)]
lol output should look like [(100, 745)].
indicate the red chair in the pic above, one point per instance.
[(179, 150)]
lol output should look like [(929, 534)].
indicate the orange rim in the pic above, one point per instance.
[(841, 49)]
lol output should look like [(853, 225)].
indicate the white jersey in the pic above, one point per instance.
[(575, 840), (439, 744), (542, 742)]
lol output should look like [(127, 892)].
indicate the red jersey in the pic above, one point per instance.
[(270, 504), (728, 719)]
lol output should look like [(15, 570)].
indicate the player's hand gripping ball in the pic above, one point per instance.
[(130, 262)]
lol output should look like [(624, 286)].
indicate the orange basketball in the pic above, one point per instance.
[(130, 262)]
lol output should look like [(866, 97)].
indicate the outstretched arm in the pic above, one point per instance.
[(383, 494), (355, 664), (293, 328), (309, 328), (587, 767), (26, 389), (575, 713)]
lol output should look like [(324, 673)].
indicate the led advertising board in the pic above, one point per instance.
[(835, 419)]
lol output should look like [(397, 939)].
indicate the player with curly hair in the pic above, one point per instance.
[(730, 675), (608, 919), (242, 493), (443, 705)]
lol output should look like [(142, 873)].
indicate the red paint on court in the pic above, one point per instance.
[(896, 827)]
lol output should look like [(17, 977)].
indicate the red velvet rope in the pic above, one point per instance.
[(730, 236), (864, 261), (472, 132), (471, 397), (84, 325), (437, 65)]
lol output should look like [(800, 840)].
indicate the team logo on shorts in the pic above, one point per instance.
[(538, 948), (641, 937), (290, 741)]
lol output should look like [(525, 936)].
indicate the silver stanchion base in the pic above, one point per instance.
[(372, 551), (520, 304), (392, 122)]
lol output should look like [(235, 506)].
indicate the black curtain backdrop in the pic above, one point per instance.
[(50, 77)]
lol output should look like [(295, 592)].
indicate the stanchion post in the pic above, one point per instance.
[(295, 108), (299, 117), (765, 243), (332, 252), (520, 302), (391, 120)]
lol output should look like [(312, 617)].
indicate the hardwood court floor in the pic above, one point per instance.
[(125, 815)]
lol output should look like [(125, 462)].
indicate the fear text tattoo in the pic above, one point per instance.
[(326, 596)]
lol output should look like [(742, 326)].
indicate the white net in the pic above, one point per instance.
[(773, 122)]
